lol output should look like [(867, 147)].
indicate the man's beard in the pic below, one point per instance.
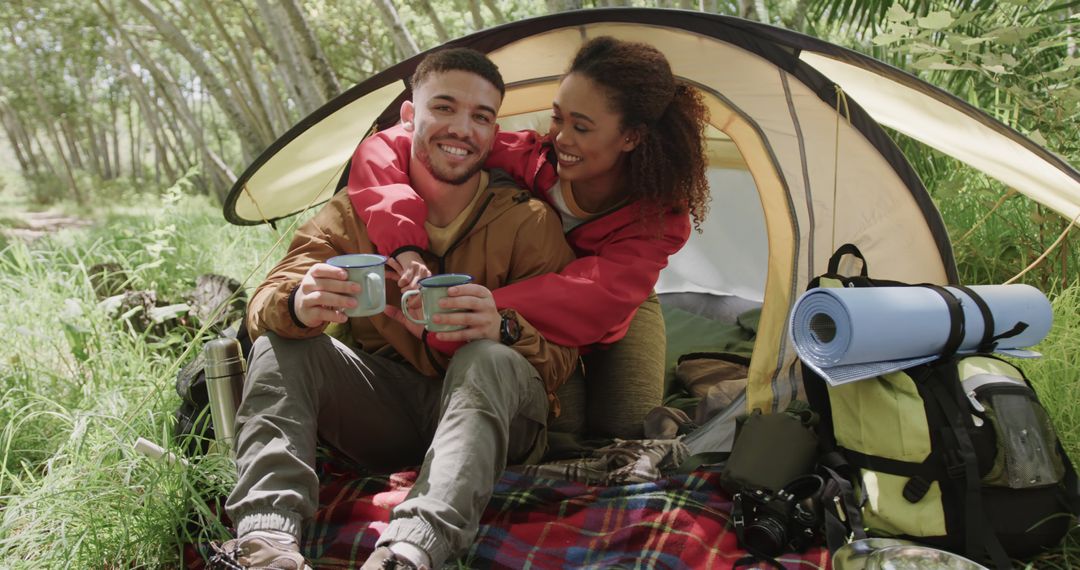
[(448, 175)]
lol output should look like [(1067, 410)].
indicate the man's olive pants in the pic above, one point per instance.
[(490, 408)]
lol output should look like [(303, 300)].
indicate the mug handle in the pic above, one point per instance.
[(405, 306), (374, 283)]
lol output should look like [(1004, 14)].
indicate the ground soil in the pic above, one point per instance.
[(37, 224)]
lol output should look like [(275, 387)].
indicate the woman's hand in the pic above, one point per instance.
[(408, 267)]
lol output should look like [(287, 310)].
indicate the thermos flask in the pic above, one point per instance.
[(225, 368)]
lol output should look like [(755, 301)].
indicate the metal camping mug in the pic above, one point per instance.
[(367, 269), (431, 290), (225, 368)]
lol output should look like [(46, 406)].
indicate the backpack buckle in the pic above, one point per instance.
[(915, 489), (954, 466)]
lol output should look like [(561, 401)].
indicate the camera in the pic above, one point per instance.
[(768, 524)]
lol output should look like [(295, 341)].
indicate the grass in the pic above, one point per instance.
[(77, 387)]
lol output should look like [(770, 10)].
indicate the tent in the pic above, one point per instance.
[(799, 162)]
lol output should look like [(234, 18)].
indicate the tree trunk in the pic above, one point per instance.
[(1070, 41), (70, 136), (114, 112), (16, 145), (250, 140), (66, 172), (254, 103), (282, 119), (762, 11), (563, 5), (171, 94), (306, 94), (134, 141), (477, 16), (35, 159), (429, 10), (310, 49), (91, 144), (93, 149), (150, 116), (402, 38), (500, 18)]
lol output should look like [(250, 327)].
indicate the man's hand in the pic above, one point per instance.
[(410, 269), (480, 317), (323, 294)]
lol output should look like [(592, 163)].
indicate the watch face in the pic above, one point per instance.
[(510, 331)]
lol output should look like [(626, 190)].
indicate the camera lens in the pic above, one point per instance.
[(766, 535)]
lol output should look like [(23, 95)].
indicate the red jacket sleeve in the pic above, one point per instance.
[(523, 155), (381, 194), (594, 298)]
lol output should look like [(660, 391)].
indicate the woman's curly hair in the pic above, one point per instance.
[(667, 168)]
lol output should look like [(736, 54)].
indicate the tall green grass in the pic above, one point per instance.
[(78, 387), (1056, 376)]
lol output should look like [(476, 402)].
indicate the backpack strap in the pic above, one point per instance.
[(1070, 483), (962, 464), (843, 517), (847, 249)]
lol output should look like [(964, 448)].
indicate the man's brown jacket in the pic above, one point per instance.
[(508, 237)]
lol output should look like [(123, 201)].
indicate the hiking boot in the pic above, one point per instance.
[(384, 559), (257, 553)]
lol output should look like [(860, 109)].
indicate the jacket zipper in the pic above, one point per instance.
[(464, 234), (442, 269)]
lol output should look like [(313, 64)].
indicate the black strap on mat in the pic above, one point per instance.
[(979, 537), (987, 342), (956, 319)]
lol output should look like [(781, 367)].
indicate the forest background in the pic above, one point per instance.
[(125, 122)]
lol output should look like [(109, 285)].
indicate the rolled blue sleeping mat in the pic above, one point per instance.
[(846, 334)]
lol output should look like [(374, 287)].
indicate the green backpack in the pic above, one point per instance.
[(957, 453)]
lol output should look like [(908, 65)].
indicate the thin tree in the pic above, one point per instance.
[(249, 138), (398, 32), (310, 48)]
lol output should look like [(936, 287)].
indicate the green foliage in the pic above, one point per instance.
[(1055, 374), (78, 387), (1014, 62)]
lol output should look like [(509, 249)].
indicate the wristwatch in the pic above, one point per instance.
[(510, 328)]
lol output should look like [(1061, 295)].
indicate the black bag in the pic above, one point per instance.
[(782, 499), (957, 453)]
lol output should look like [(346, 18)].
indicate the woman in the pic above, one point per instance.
[(624, 165)]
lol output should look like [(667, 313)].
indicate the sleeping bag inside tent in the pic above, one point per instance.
[(799, 162)]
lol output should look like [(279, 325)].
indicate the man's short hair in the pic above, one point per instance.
[(459, 59)]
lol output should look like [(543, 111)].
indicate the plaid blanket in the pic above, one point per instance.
[(537, 522)]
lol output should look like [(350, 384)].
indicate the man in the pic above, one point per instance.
[(399, 401)]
